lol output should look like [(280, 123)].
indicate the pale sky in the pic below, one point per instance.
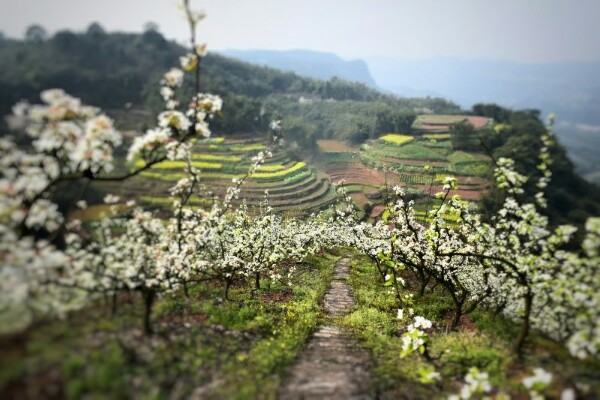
[(516, 30)]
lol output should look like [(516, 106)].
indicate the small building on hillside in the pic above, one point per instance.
[(441, 123)]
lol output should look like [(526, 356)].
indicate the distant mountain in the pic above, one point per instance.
[(309, 63), (570, 90)]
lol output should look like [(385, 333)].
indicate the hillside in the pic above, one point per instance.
[(571, 90), (294, 187), (309, 63), (192, 226), (112, 70)]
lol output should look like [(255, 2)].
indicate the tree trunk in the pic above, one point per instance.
[(424, 283), (499, 309), (456, 319), (525, 327), (227, 284), (458, 312), (257, 280), (113, 306), (458, 304), (382, 272), (149, 297)]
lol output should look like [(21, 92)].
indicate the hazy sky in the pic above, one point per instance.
[(518, 30)]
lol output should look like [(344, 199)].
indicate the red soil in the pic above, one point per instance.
[(377, 210), (472, 195), (357, 173)]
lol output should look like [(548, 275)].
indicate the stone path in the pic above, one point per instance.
[(331, 365)]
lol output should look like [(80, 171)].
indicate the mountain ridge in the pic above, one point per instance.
[(314, 64)]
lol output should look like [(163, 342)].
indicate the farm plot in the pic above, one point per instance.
[(292, 184), (396, 139), (335, 146), (465, 194), (357, 173), (419, 164), (415, 150)]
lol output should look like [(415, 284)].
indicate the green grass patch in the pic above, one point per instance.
[(271, 167), (437, 136), (280, 173), (204, 347), (459, 157), (216, 157), (411, 151), (248, 147), (483, 341), (211, 140), (180, 164)]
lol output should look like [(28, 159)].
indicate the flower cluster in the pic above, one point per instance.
[(69, 140), (537, 383), (46, 265), (476, 383), (415, 338), (515, 264)]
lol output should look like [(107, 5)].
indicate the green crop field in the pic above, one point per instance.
[(419, 164), (292, 184)]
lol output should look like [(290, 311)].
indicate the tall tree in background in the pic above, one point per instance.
[(36, 33), (463, 136), (151, 26), (95, 29)]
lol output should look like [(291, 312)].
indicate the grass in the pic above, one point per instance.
[(180, 164), (459, 157), (341, 157), (203, 348), (281, 173), (484, 341), (414, 151), (267, 175), (396, 139), (168, 201), (247, 147), (416, 179), (271, 167), (437, 136), (212, 140), (374, 324), (297, 177), (216, 157), (469, 164)]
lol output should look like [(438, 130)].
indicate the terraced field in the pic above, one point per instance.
[(424, 162), (294, 188), (418, 163)]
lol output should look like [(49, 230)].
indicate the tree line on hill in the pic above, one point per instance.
[(571, 199), (119, 72), (117, 69)]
